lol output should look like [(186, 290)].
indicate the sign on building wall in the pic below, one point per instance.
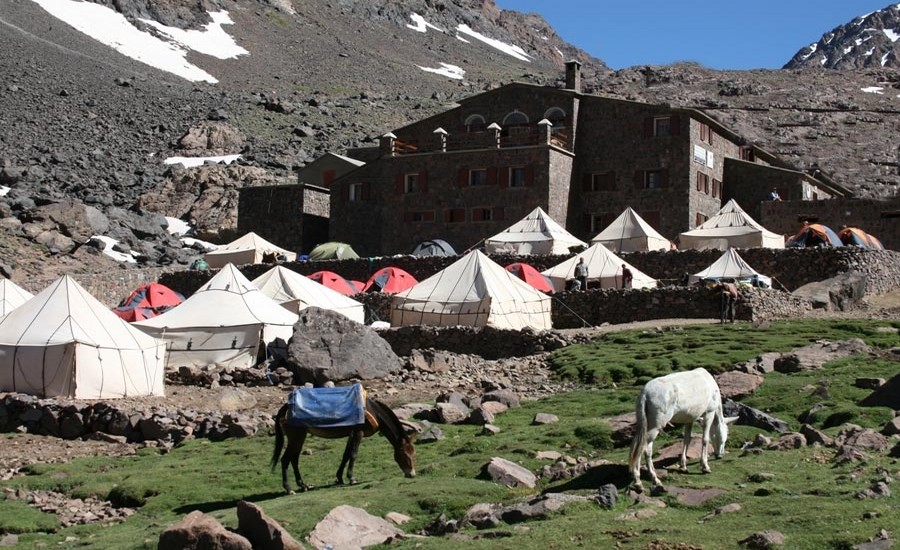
[(702, 156)]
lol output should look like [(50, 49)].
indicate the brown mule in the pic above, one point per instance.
[(379, 418)]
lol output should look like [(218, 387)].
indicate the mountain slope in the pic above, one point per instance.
[(82, 122)]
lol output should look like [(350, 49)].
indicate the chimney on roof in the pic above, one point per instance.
[(573, 75)]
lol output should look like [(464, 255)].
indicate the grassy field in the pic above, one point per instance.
[(805, 495)]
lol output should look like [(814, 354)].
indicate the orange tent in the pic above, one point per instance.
[(390, 280), (531, 276)]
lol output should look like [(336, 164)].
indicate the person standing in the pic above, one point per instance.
[(627, 277), (729, 297), (581, 273)]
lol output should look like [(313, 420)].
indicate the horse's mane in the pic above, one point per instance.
[(388, 422)]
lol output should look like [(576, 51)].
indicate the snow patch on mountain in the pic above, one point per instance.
[(113, 29)]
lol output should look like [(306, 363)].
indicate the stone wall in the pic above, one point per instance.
[(71, 419), (110, 287)]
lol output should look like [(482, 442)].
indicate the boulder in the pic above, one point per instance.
[(840, 293), (748, 416), (887, 395), (509, 473), (199, 531), (263, 532), (328, 346), (816, 355), (763, 540), (350, 528), (736, 384)]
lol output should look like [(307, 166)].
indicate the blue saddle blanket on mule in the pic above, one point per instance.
[(327, 407)]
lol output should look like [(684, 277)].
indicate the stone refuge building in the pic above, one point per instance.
[(466, 174)]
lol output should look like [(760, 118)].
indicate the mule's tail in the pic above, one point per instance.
[(640, 433), (279, 435)]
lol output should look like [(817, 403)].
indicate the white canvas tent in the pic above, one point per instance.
[(730, 265), (473, 291), (730, 227), (536, 233), (631, 233), (226, 322), (297, 292), (12, 296), (604, 270), (64, 342), (248, 249)]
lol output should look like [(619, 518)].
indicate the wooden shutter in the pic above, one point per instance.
[(492, 176), (638, 179), (477, 214), (699, 181), (586, 220), (529, 176), (398, 184), (675, 125), (648, 127), (408, 216), (463, 177), (504, 176), (366, 191), (586, 181), (664, 177), (423, 181), (499, 213)]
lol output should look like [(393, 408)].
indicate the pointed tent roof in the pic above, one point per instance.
[(604, 270), (297, 292), (433, 247), (333, 251), (536, 233), (335, 282), (473, 291), (730, 227), (248, 249), (630, 233), (730, 265), (228, 299), (110, 358), (12, 296)]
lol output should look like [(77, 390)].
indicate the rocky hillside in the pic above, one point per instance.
[(868, 41), (85, 130)]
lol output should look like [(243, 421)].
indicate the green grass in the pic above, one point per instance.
[(636, 356), (808, 498)]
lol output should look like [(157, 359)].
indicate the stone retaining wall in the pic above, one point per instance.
[(77, 419)]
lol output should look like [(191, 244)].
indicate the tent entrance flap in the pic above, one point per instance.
[(37, 370)]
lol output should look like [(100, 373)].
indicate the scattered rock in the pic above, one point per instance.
[(506, 472), (263, 532), (348, 527), (607, 495), (544, 418), (199, 531), (727, 509), (763, 540), (735, 384)]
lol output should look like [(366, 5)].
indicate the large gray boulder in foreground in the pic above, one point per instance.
[(327, 346), (840, 293)]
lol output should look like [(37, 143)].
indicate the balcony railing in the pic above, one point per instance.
[(487, 139)]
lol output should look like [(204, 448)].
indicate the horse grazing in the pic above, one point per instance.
[(678, 398), (379, 418)]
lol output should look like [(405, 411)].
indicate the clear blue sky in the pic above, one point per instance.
[(719, 34)]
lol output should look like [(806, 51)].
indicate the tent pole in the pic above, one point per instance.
[(583, 322)]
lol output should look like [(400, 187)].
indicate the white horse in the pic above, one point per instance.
[(678, 398)]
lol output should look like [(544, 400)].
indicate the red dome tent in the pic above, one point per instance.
[(390, 280), (337, 283), (531, 276), (148, 301)]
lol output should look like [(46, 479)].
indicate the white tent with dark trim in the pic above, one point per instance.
[(473, 291), (297, 292), (228, 322), (12, 296), (536, 233), (730, 227), (65, 343), (604, 270), (631, 233), (730, 265), (249, 249)]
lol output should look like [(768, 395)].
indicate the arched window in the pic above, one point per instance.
[(475, 123), (556, 116), (515, 118)]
